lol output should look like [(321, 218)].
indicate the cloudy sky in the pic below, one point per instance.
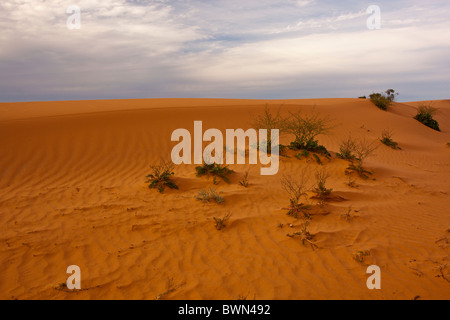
[(223, 49)]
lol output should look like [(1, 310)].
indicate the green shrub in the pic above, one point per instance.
[(386, 138), (207, 196), (160, 176), (347, 149), (425, 115), (220, 222), (214, 169), (383, 100), (306, 128)]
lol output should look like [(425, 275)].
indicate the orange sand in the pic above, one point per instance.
[(73, 191)]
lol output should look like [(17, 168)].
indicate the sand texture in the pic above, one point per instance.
[(73, 192)]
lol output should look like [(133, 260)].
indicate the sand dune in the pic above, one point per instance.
[(73, 191)]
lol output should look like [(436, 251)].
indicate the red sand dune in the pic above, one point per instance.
[(73, 192)]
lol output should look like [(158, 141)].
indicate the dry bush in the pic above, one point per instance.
[(347, 149), (220, 222), (304, 235), (269, 122), (386, 138), (296, 189), (244, 181), (363, 149), (322, 192), (207, 196), (306, 128)]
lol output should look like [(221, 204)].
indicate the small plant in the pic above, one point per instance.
[(304, 154), (316, 157), (215, 182), (160, 176), (306, 128), (304, 235), (383, 100), (270, 122), (386, 138), (363, 149), (214, 169), (425, 115), (220, 222), (362, 97), (244, 181), (351, 182), (360, 255), (347, 149), (171, 287), (322, 192), (296, 189), (207, 196), (347, 215)]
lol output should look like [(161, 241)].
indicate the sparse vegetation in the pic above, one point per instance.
[(362, 97), (347, 149), (171, 287), (244, 181), (304, 154), (306, 128), (269, 122), (304, 235), (351, 182), (322, 192), (383, 100), (161, 176), (296, 189), (316, 157), (386, 138), (360, 255), (425, 115), (363, 150), (214, 169), (347, 215), (220, 222), (207, 196)]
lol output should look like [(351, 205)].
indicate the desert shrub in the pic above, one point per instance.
[(386, 138), (347, 149), (296, 189), (303, 154), (207, 196), (214, 169), (306, 128), (220, 222), (269, 122), (360, 255), (322, 192), (363, 149), (160, 176), (425, 115), (304, 235), (244, 181), (383, 100), (316, 157), (362, 97)]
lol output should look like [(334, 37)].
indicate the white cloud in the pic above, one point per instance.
[(252, 48)]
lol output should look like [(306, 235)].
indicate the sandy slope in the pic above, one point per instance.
[(72, 191)]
